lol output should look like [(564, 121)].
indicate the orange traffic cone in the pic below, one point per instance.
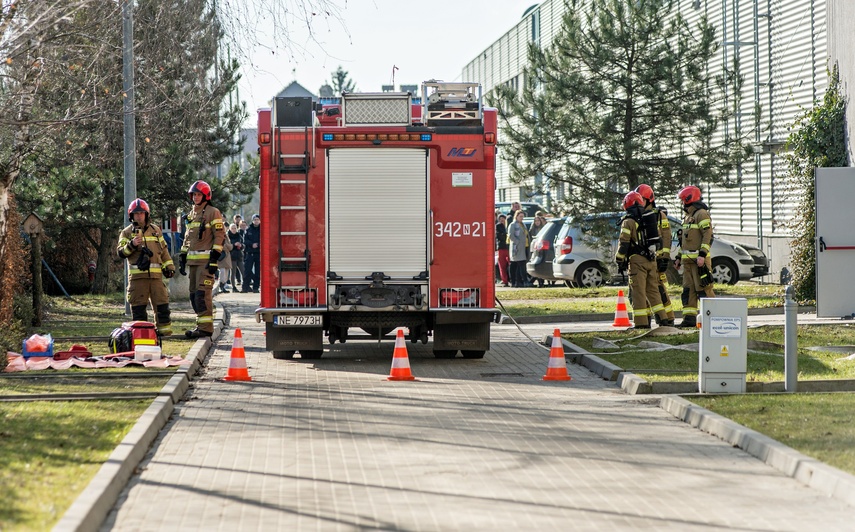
[(621, 316), (237, 364), (400, 361), (556, 370)]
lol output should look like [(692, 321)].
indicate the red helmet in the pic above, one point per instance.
[(137, 205), (631, 199), (689, 194), (202, 188), (646, 192)]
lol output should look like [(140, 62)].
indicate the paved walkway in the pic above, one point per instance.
[(473, 445)]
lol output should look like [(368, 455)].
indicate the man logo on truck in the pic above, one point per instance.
[(462, 152)]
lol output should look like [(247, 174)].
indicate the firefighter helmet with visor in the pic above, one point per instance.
[(202, 188), (646, 192), (138, 205), (632, 199), (689, 195)]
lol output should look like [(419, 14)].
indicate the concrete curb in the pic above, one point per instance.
[(90, 509), (828, 480)]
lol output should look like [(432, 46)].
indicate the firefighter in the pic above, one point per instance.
[(633, 253), (695, 241), (203, 244), (143, 246), (663, 254)]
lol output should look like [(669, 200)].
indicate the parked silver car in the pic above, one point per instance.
[(585, 249)]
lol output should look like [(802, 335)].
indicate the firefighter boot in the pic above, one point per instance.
[(689, 320), (197, 333), (164, 324), (138, 312)]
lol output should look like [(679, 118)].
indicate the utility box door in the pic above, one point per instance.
[(835, 242), (724, 344)]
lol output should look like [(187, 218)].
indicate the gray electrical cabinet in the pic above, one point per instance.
[(724, 345)]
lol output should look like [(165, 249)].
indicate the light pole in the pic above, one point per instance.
[(129, 116)]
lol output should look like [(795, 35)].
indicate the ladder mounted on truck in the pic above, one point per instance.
[(294, 121), (452, 104)]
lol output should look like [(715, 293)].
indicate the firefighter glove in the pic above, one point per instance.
[(621, 266), (662, 264), (212, 268), (182, 264), (169, 273), (705, 276)]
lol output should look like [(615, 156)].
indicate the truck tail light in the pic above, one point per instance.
[(298, 297), (459, 297), (265, 138), (566, 245)]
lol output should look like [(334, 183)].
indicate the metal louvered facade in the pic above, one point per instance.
[(782, 51), (369, 229)]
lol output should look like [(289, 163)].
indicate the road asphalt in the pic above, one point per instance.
[(330, 444)]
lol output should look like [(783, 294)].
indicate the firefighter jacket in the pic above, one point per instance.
[(697, 232), (628, 244), (153, 241), (664, 232), (205, 233)]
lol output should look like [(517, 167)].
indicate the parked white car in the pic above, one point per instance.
[(585, 250)]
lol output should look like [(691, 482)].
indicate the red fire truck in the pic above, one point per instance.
[(378, 213)]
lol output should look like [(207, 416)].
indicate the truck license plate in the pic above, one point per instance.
[(299, 320)]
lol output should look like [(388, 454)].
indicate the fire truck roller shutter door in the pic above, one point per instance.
[(377, 211)]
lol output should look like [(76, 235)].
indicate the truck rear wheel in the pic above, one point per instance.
[(445, 353), (473, 354), (283, 355)]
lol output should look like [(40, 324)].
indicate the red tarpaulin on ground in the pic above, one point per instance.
[(16, 362)]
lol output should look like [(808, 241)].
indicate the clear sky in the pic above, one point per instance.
[(424, 39)]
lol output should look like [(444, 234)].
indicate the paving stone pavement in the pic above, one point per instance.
[(483, 444)]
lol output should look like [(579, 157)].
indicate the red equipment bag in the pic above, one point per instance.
[(132, 334)]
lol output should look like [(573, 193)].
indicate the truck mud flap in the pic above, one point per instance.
[(294, 338), (461, 336)]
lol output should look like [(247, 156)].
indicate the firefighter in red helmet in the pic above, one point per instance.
[(203, 245), (634, 253), (694, 256), (143, 246), (663, 252)]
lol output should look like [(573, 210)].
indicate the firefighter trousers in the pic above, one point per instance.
[(692, 290), (201, 287), (644, 287), (663, 294), (145, 289)]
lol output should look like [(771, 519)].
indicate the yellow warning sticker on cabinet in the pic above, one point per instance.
[(724, 352)]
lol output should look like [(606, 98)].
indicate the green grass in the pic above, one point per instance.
[(767, 365), (561, 300), (50, 450), (817, 425), (49, 382)]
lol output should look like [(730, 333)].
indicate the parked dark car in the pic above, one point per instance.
[(542, 249)]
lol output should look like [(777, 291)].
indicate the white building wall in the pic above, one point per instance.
[(782, 50), (841, 48)]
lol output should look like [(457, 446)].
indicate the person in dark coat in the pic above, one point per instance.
[(236, 238), (252, 250)]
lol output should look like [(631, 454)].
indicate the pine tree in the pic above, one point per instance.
[(621, 97), (341, 83)]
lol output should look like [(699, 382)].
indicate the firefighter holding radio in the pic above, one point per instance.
[(143, 246), (203, 244)]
